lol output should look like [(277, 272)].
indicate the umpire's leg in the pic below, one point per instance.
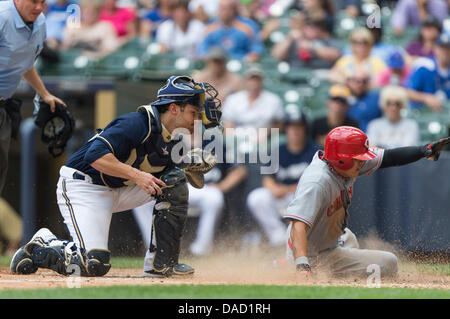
[(5, 139)]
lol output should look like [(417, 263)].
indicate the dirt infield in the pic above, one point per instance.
[(227, 268)]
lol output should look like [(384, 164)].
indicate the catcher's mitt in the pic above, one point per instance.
[(433, 150), (198, 162)]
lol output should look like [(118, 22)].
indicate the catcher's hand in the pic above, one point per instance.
[(433, 150)]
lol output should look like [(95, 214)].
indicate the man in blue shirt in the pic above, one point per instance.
[(364, 101), (22, 36), (236, 36), (127, 164), (429, 84), (278, 189)]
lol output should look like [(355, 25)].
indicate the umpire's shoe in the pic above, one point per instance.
[(21, 263)]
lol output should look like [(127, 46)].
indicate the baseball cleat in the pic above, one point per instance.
[(155, 274), (21, 263), (182, 270)]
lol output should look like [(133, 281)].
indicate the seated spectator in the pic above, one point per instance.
[(397, 72), (352, 8), (337, 109), (424, 45), (181, 33), (55, 20), (151, 20), (228, 31), (392, 130), (123, 19), (253, 107), (429, 83), (411, 13), (278, 189), (364, 106), (204, 10), (96, 38), (313, 48), (319, 8), (362, 42), (217, 74)]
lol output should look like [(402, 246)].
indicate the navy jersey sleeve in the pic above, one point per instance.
[(119, 137)]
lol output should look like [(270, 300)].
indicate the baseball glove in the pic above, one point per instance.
[(199, 163), (433, 150)]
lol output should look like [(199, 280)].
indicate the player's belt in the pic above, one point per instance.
[(69, 172)]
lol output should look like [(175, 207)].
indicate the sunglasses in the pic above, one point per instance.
[(360, 42), (395, 103)]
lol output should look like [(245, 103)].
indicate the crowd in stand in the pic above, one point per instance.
[(371, 81)]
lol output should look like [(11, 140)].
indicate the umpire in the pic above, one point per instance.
[(22, 36)]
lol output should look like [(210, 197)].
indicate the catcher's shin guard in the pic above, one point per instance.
[(169, 219)]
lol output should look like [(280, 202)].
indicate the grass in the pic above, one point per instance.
[(226, 292)]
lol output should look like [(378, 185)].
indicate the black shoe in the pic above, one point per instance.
[(21, 263), (182, 270), (157, 274)]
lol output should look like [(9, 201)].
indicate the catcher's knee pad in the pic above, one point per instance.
[(169, 219), (97, 262)]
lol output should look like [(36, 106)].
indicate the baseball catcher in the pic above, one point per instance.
[(126, 165), (318, 214)]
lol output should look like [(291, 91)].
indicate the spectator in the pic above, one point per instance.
[(96, 38), (253, 107), (56, 17), (352, 8), (364, 105), (204, 10), (411, 13), (10, 228), (313, 48), (424, 45), (392, 130), (337, 106), (278, 189), (429, 83), (217, 74), (362, 42), (319, 8), (397, 72), (181, 33), (231, 33), (151, 20), (123, 19)]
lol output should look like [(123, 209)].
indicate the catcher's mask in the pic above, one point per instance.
[(182, 89), (57, 127)]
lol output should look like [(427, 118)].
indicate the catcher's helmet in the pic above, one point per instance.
[(183, 89), (57, 127), (344, 143)]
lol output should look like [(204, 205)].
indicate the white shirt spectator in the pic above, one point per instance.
[(267, 109), (185, 43), (209, 6), (383, 133)]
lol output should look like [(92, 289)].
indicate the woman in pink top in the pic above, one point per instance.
[(123, 19)]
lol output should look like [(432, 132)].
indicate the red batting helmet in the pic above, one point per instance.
[(345, 143)]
